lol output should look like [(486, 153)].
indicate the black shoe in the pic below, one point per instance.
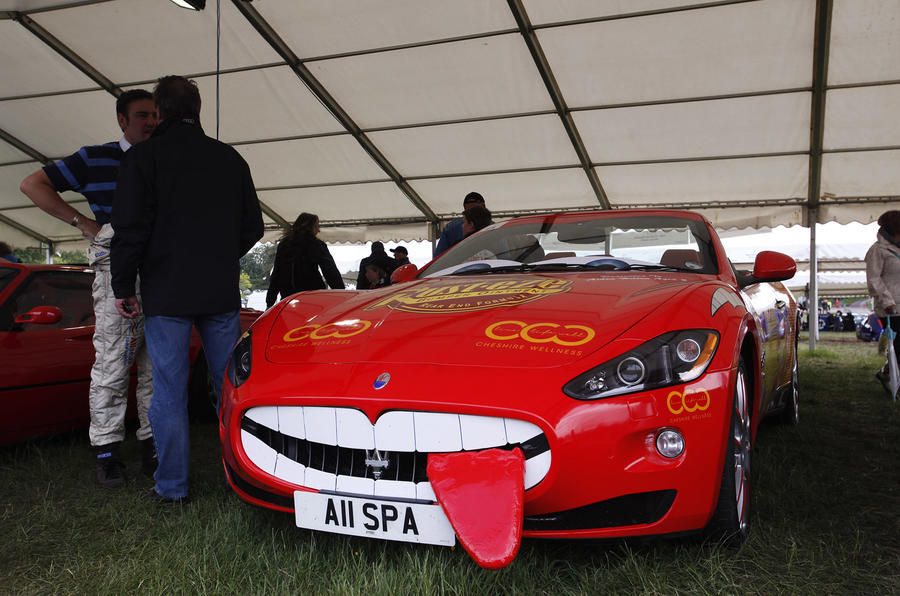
[(161, 500), (148, 457), (110, 469)]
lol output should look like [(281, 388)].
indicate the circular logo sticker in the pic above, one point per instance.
[(382, 380)]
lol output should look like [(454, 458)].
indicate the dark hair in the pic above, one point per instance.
[(176, 97), (473, 197), (478, 215), (129, 97), (5, 248), (378, 248), (890, 221), (304, 225)]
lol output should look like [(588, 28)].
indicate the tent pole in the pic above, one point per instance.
[(812, 302)]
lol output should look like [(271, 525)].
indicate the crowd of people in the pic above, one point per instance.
[(173, 207)]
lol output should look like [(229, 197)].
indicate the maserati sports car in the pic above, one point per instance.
[(578, 375)]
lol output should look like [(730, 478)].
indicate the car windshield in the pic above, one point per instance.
[(582, 242)]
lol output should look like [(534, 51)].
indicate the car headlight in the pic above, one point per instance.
[(239, 365), (672, 358)]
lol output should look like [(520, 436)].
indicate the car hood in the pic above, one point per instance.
[(486, 320)]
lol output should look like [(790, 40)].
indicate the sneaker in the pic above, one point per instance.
[(148, 457), (110, 469), (161, 500)]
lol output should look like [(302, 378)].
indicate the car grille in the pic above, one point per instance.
[(339, 449)]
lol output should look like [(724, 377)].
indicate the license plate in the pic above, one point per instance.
[(387, 519)]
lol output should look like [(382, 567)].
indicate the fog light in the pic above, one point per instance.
[(670, 443)]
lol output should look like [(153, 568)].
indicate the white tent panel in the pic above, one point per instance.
[(17, 239), (8, 153), (263, 104), (326, 27), (48, 125), (322, 160), (724, 180), (862, 117), (755, 217), (519, 191), (343, 202), (865, 42), (47, 71), (11, 177), (512, 143), (740, 126), (737, 48), (466, 79), (845, 213), (861, 173), (542, 12), (159, 37), (369, 233)]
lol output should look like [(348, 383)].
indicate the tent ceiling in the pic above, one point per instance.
[(380, 116)]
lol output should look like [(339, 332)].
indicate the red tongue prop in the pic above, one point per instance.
[(482, 493)]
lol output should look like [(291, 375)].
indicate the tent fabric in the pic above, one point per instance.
[(380, 116)]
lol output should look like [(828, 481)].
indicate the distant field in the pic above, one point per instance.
[(826, 520)]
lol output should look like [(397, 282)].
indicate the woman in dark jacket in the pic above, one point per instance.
[(299, 258)]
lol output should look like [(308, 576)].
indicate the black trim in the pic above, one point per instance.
[(627, 510), (256, 492)]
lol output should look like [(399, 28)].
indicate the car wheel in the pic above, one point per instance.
[(791, 413), (201, 392), (729, 523)]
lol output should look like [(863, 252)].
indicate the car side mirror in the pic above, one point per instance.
[(770, 266), (404, 273), (42, 315)]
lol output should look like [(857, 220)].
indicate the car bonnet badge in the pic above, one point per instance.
[(377, 462), (382, 380)]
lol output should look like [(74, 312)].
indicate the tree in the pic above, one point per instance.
[(258, 263)]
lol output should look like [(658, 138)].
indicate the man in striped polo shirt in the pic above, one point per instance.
[(92, 171)]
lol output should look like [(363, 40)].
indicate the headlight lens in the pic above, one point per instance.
[(239, 365), (672, 358)]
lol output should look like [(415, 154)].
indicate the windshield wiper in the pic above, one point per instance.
[(606, 264)]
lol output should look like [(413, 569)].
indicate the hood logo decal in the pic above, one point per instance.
[(540, 333), (382, 380), (472, 296)]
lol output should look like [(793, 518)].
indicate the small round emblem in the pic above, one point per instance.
[(382, 380)]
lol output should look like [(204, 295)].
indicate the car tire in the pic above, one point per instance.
[(201, 392), (730, 521)]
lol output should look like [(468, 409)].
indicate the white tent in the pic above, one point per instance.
[(381, 115)]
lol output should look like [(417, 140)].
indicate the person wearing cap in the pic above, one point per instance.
[(379, 257), (453, 231), (401, 255)]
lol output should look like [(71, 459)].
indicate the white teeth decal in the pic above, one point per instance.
[(267, 431)]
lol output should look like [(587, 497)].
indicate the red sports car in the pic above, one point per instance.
[(580, 375), (46, 347)]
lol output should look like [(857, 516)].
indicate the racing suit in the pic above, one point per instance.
[(118, 342)]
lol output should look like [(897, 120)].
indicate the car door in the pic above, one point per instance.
[(47, 366)]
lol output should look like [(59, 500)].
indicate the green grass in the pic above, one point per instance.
[(826, 520)]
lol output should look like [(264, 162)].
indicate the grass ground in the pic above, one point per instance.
[(826, 520)]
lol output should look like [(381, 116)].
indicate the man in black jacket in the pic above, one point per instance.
[(184, 212)]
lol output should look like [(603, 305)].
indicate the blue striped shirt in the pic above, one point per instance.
[(91, 171)]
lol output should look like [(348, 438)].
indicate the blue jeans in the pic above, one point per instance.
[(168, 341)]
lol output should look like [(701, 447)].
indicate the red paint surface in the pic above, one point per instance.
[(482, 493)]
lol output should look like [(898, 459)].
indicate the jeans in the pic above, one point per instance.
[(168, 341)]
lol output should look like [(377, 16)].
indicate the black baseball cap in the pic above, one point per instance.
[(401, 249), (473, 198)]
